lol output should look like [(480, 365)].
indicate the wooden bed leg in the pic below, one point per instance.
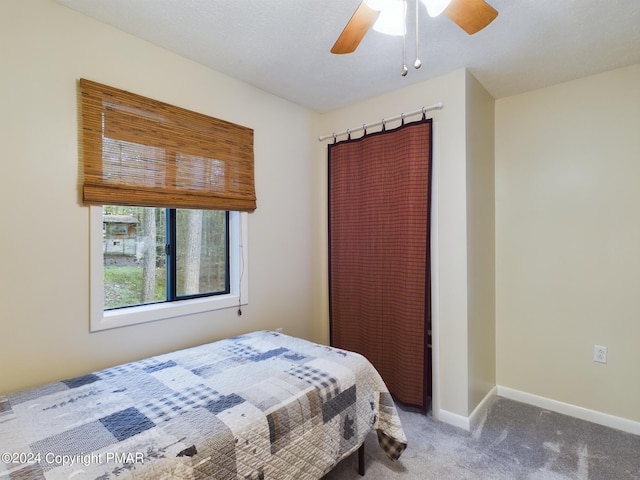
[(361, 460)]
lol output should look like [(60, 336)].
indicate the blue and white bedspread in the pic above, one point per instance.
[(258, 406)]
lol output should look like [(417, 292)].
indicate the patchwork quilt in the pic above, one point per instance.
[(257, 406)]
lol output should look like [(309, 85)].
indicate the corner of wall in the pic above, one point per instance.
[(480, 173)]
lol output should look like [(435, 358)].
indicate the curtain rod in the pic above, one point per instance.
[(402, 116)]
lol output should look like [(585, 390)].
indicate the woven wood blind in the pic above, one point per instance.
[(379, 266), (139, 151)]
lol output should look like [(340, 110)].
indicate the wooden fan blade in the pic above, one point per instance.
[(359, 24), (471, 15)]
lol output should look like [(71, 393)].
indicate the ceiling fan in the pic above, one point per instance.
[(470, 15)]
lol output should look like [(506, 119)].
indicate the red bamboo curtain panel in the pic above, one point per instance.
[(379, 267)]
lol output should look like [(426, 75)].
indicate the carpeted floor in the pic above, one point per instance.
[(513, 441)]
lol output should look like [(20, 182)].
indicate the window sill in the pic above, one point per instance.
[(162, 311)]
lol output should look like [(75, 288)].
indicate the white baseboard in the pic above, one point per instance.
[(452, 419), (593, 416), (467, 423), (482, 408)]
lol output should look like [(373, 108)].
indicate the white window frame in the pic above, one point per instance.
[(122, 317)]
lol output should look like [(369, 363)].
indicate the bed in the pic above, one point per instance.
[(258, 406)]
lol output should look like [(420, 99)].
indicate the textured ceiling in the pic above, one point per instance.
[(282, 46)]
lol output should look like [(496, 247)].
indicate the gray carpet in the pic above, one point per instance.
[(513, 441)]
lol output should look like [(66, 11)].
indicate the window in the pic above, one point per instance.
[(169, 190), (111, 309), (153, 255)]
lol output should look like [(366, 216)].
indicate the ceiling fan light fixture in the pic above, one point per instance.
[(379, 5), (392, 19), (436, 7)]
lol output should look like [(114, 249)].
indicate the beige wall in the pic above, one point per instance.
[(480, 242), (44, 291), (458, 91), (568, 241)]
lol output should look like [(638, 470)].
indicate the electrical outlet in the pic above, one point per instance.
[(599, 354)]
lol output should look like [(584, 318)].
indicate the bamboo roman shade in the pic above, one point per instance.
[(143, 152)]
